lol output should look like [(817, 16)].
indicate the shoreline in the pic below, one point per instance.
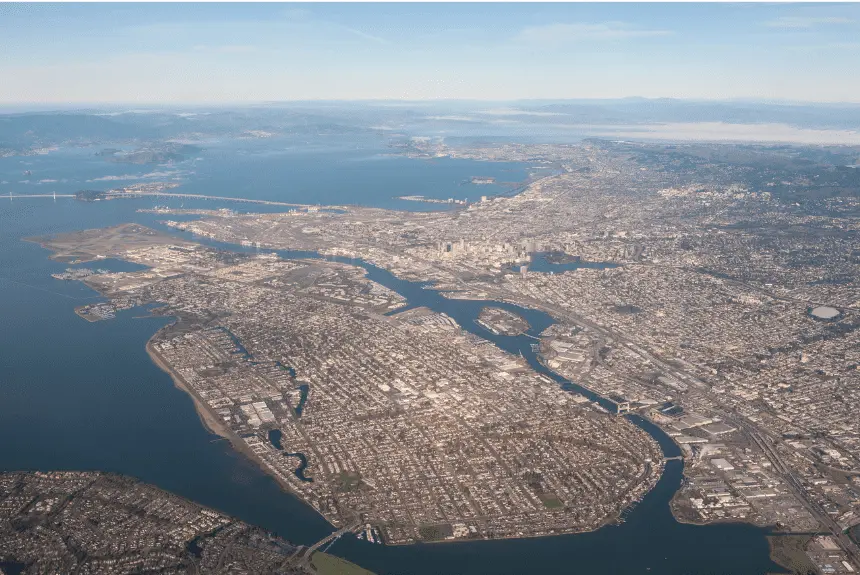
[(87, 316), (771, 531), (609, 521), (55, 256), (213, 425)]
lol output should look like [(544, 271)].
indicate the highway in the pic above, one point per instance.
[(118, 194), (306, 557), (847, 545), (794, 484), (122, 194), (10, 196), (206, 197)]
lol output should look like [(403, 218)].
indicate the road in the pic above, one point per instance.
[(847, 545), (115, 194), (795, 486), (306, 557), (220, 198), (10, 196)]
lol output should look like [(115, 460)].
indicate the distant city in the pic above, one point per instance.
[(307, 305), (526, 363)]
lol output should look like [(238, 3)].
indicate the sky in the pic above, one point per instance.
[(243, 53)]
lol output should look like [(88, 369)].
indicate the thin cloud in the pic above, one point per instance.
[(560, 33), (830, 46), (297, 13), (247, 35), (453, 118), (804, 22), (226, 49), (363, 35), (515, 112), (720, 132)]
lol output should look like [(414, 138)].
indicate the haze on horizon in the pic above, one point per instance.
[(67, 54)]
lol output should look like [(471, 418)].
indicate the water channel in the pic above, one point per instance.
[(649, 539), (79, 395)]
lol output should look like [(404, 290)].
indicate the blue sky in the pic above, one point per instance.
[(221, 53)]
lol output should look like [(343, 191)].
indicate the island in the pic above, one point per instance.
[(156, 154), (560, 257), (90, 195), (402, 425), (502, 322)]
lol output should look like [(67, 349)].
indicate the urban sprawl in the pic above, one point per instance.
[(729, 319)]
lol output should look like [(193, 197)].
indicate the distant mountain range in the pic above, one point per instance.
[(24, 130)]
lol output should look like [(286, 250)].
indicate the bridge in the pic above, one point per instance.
[(135, 194), (55, 196), (330, 538), (121, 194), (132, 194)]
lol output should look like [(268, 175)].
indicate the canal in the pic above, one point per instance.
[(649, 540)]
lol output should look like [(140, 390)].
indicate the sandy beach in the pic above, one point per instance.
[(215, 425)]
